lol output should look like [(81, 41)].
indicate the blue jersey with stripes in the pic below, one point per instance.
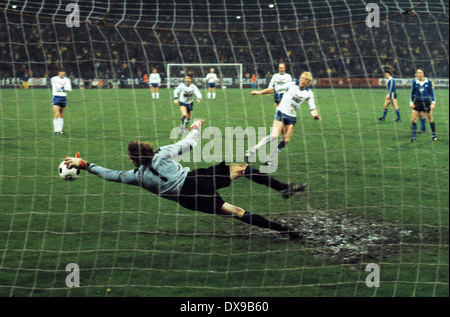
[(390, 85), (422, 90)]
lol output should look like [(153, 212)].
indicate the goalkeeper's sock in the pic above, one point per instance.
[(260, 221), (385, 111), (414, 130), (423, 125), (264, 179)]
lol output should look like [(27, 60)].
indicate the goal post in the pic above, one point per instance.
[(229, 74)]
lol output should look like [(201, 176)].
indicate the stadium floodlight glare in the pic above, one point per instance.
[(271, 5)]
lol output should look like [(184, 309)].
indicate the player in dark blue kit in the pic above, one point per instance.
[(391, 97), (422, 100)]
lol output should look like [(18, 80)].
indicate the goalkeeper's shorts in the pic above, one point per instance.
[(199, 191)]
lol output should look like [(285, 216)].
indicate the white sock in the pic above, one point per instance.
[(209, 95), (214, 95), (55, 125), (261, 143), (153, 95), (157, 95), (60, 124)]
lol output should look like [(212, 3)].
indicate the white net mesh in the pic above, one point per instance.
[(372, 197)]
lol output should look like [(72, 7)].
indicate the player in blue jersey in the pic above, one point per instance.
[(422, 100), (391, 97), (160, 173)]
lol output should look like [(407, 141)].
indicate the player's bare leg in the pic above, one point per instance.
[(387, 101), (58, 115), (276, 131), (185, 116)]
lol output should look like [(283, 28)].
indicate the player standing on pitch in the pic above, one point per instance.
[(60, 86), (155, 83), (279, 83), (211, 80), (159, 173), (422, 100), (391, 97), (186, 92), (285, 114)]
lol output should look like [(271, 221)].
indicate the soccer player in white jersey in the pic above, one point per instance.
[(279, 83), (186, 92), (211, 79), (60, 86), (285, 114), (155, 83)]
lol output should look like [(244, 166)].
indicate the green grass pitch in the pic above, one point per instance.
[(131, 241)]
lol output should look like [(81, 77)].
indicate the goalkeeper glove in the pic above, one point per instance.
[(197, 124), (76, 162)]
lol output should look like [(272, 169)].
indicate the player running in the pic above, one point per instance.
[(212, 80), (159, 173), (155, 83), (60, 86), (279, 83), (186, 101), (391, 97), (285, 114), (422, 100)]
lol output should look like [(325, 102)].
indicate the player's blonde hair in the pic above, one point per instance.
[(308, 76)]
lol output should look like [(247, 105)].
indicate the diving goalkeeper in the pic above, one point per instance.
[(159, 173)]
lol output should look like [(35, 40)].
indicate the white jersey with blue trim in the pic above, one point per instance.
[(211, 78), (60, 86), (155, 78), (187, 93), (279, 82), (294, 97)]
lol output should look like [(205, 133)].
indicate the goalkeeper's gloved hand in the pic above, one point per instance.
[(76, 162), (197, 124)]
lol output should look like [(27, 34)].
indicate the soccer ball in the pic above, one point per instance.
[(68, 174)]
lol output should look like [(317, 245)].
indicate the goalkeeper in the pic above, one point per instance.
[(159, 173)]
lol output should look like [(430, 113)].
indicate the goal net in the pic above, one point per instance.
[(374, 214)]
